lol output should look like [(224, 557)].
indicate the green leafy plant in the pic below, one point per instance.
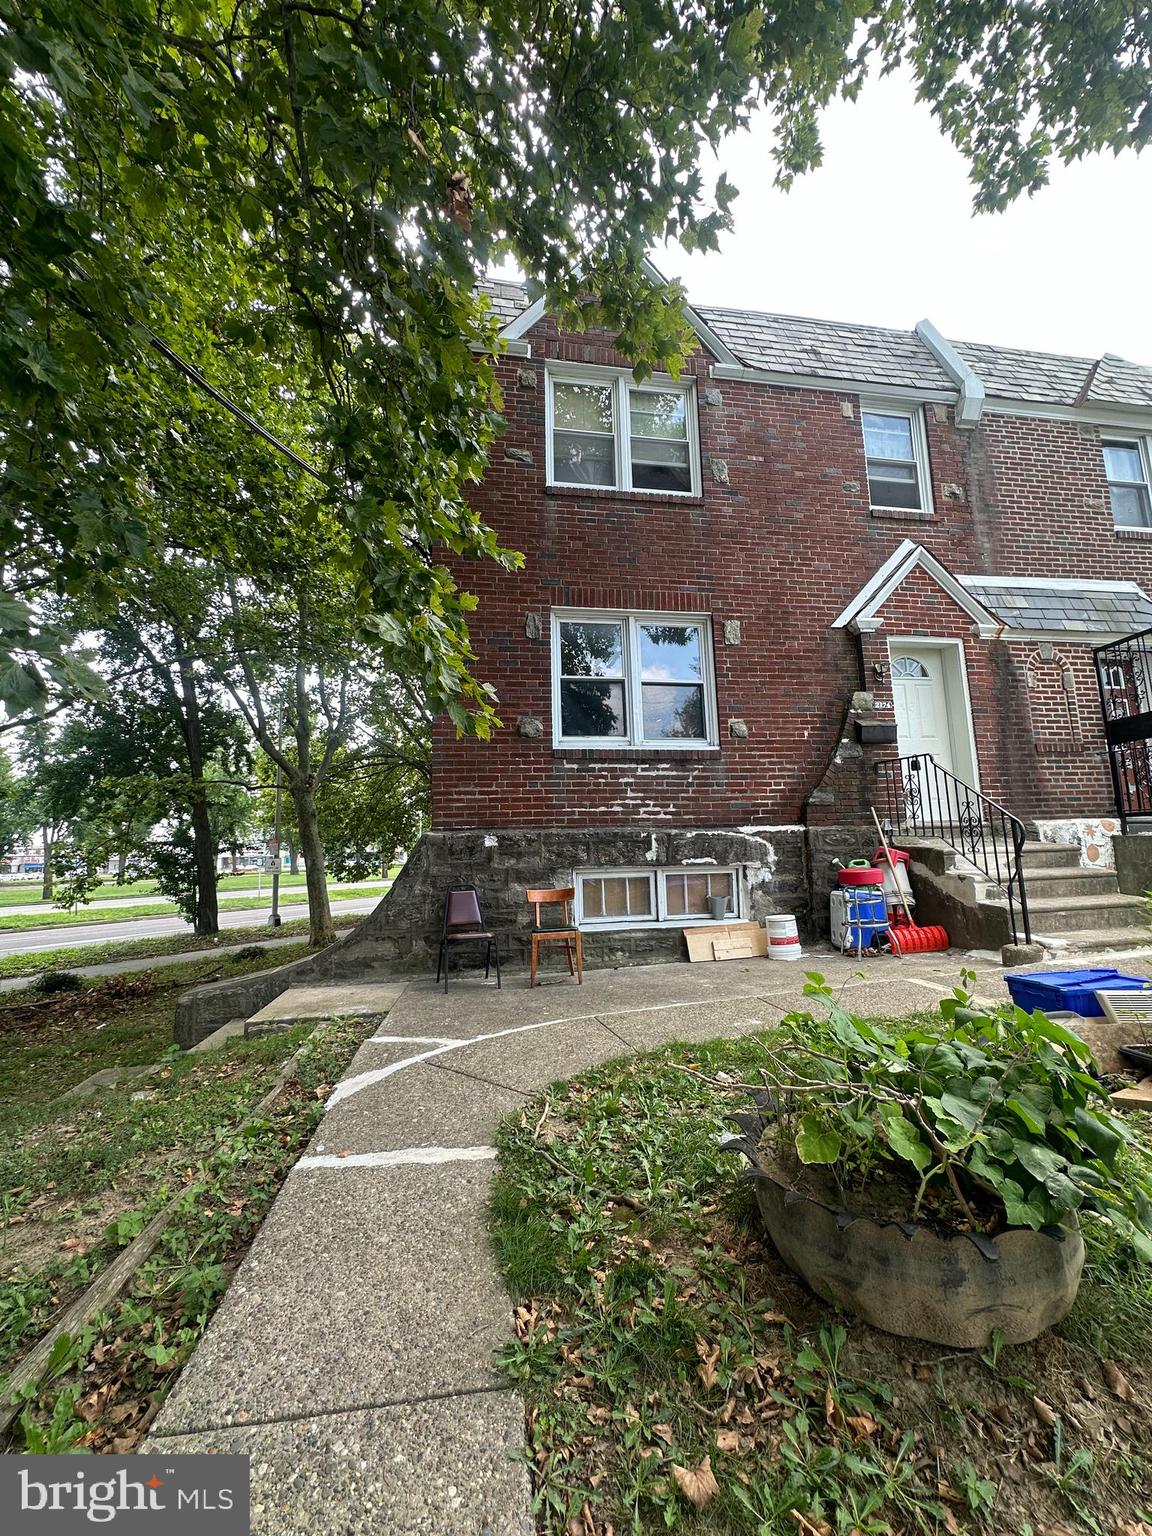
[(994, 1118)]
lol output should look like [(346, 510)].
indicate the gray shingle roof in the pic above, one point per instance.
[(827, 349), (1098, 608), (506, 298), (873, 354)]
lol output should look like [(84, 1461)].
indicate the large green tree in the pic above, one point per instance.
[(310, 190)]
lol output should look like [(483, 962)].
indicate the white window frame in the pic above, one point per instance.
[(1141, 445), (915, 415), (632, 619), (622, 384), (657, 879)]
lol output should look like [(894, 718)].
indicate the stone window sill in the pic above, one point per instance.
[(638, 755), (1133, 533), (638, 499), (903, 514)]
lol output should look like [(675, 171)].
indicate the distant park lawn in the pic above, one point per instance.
[(53, 917), (24, 892)]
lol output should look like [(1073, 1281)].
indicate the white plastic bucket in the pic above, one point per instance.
[(783, 940)]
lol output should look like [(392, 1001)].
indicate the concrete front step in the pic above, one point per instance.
[(1054, 914), (1095, 941), (942, 857), (1064, 883)]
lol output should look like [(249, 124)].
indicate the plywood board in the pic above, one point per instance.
[(1139, 1097), (727, 941)]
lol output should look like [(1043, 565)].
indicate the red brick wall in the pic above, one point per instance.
[(782, 548)]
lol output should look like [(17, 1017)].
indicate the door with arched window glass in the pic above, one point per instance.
[(925, 726)]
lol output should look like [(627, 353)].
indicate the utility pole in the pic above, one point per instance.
[(274, 917)]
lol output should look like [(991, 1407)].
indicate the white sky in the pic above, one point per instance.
[(884, 233)]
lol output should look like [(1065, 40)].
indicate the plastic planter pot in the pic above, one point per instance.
[(907, 1280)]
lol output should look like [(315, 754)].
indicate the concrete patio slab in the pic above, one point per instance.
[(418, 1107), (647, 1028), (329, 1002), (534, 1058), (365, 1286), (439, 1468)]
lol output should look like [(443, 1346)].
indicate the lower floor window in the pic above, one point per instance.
[(615, 898)]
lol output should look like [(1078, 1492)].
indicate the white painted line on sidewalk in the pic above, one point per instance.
[(352, 1085), (402, 1157), (410, 1040)]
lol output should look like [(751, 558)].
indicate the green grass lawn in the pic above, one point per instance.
[(25, 893), (679, 1377), (80, 1177), (106, 912)]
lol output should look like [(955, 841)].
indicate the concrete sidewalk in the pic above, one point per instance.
[(352, 1357)]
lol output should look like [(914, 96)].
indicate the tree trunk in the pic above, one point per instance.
[(205, 912), (121, 864), (48, 875), (321, 929), (293, 857)]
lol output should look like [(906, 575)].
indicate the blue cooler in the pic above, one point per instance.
[(1069, 991)]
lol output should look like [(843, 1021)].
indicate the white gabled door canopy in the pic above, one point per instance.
[(862, 613)]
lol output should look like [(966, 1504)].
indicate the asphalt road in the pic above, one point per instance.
[(68, 934), (225, 892)]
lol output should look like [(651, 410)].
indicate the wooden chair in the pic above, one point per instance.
[(463, 924), (564, 932)]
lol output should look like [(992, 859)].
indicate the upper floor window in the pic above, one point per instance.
[(635, 679), (897, 455), (1125, 464), (604, 429)]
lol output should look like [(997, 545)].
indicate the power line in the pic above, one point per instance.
[(190, 371)]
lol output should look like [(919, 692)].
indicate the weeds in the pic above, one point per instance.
[(678, 1377)]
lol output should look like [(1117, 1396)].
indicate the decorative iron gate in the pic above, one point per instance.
[(1124, 673)]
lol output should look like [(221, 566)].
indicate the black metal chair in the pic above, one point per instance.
[(463, 924)]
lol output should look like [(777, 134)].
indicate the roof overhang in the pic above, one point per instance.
[(515, 331), (862, 615)]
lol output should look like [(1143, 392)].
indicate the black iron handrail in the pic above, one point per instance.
[(925, 799)]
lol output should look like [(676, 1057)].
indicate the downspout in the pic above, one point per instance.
[(970, 405)]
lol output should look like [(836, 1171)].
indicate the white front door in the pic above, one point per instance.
[(926, 727), (920, 697)]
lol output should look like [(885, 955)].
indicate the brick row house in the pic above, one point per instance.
[(824, 545)]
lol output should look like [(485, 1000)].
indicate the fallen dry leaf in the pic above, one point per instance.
[(862, 1425), (698, 1485), (775, 1317), (706, 1370), (727, 1440), (1044, 1411), (1134, 1528), (833, 1413), (1117, 1381), (663, 1432)]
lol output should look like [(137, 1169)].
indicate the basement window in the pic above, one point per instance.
[(632, 679), (1126, 466), (606, 430), (673, 897), (897, 454)]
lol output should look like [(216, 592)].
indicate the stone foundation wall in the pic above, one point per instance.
[(400, 938), (403, 932)]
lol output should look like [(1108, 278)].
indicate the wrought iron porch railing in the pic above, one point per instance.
[(925, 799)]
